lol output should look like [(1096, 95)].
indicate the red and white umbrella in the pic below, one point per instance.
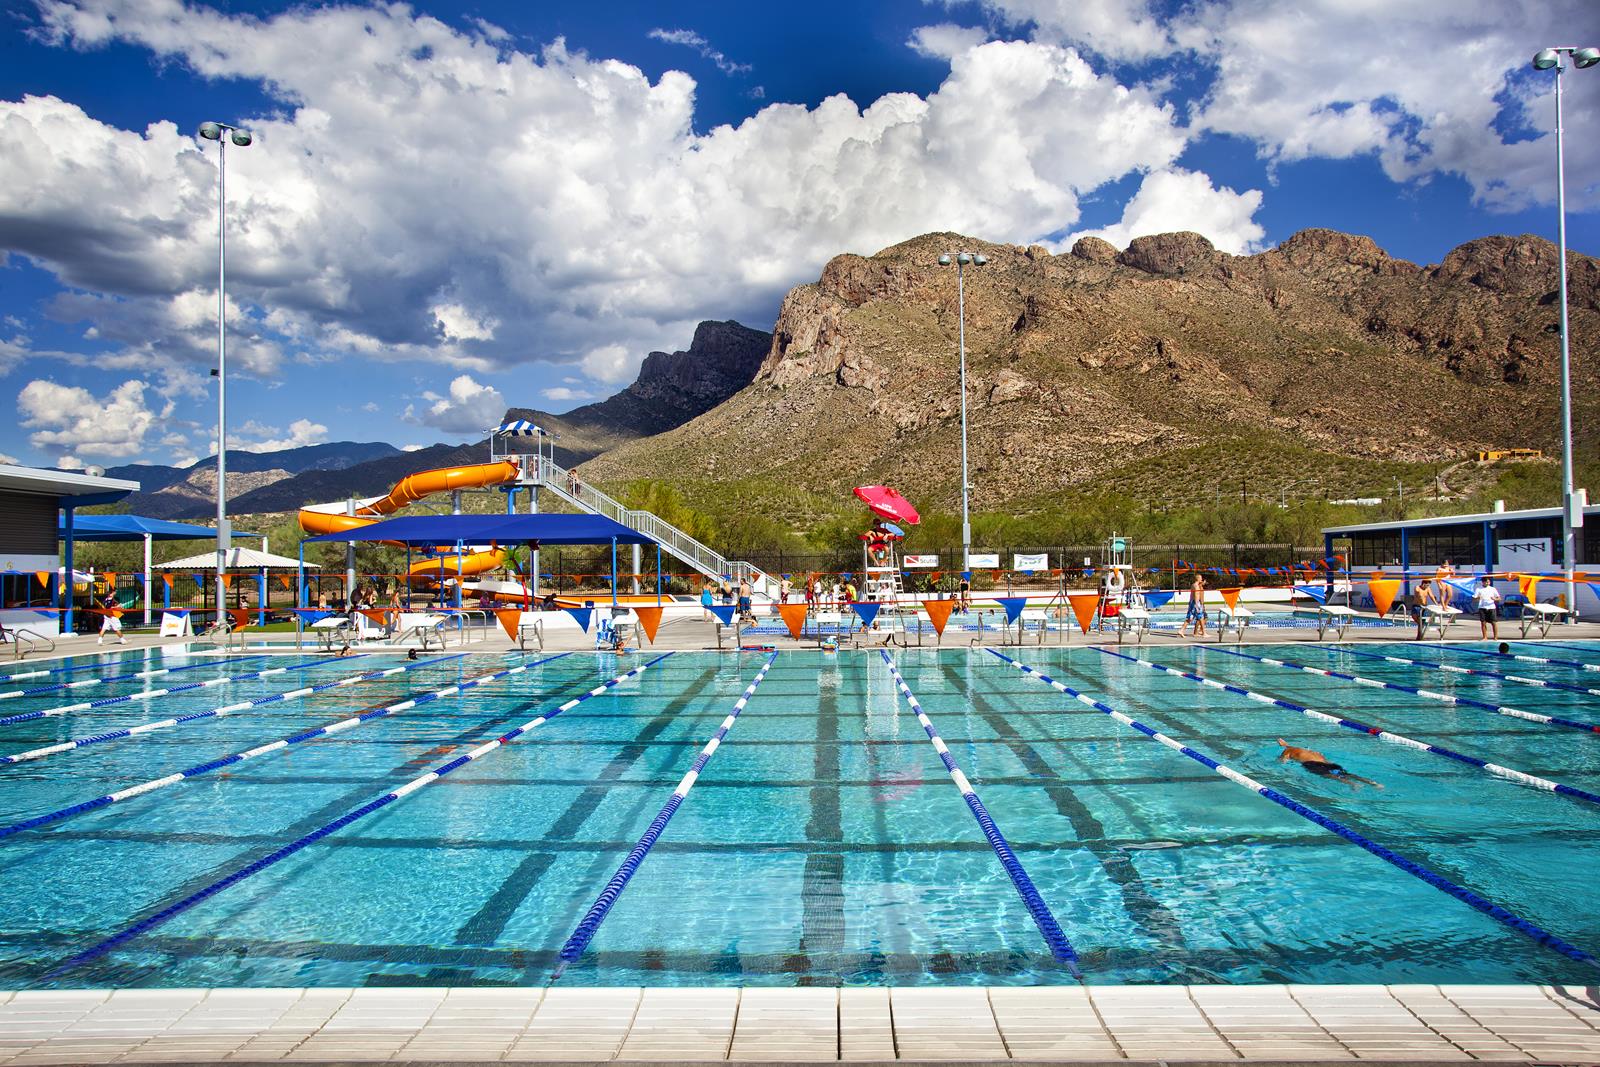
[(888, 504)]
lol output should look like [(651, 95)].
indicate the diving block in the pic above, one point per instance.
[(1335, 617), (331, 628), (1439, 618), (1135, 621), (530, 622), (1236, 619), (424, 626), (1541, 617)]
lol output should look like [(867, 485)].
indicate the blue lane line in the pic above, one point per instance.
[(260, 750), (81, 683), (1428, 694), (151, 694), (1057, 941), (173, 910), (216, 713), (1451, 668), (1519, 656), (1565, 648), (46, 672), (590, 923), (1438, 881), (1366, 728)]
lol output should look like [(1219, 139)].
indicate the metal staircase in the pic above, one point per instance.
[(675, 542)]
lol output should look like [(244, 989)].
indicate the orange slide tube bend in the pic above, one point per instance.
[(409, 490)]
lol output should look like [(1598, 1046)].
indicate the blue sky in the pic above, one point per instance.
[(453, 208)]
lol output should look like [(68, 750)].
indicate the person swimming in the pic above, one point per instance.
[(1318, 764)]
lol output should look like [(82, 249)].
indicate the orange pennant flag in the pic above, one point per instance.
[(510, 619), (1084, 606), (650, 620), (375, 614), (227, 580), (44, 578), (288, 582), (1526, 584), (1384, 591), (794, 617), (1230, 596), (168, 579), (939, 613), (240, 617)]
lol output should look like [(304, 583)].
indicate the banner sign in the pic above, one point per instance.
[(985, 560), (1030, 561), (919, 561)]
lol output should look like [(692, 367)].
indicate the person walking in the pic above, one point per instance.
[(744, 601), (1197, 609), (110, 621), (705, 602), (1486, 598)]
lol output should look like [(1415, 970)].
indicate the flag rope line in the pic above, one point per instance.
[(261, 750), (151, 694), (1466, 896), (1054, 938), (217, 713), (590, 923), (40, 690), (145, 925), (1429, 694), (1360, 727)]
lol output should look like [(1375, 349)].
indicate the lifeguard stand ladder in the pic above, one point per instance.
[(1116, 574), (882, 582)]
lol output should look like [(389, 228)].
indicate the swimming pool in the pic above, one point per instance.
[(823, 842)]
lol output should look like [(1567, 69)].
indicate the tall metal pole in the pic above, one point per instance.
[(224, 535), (961, 327), (1569, 542)]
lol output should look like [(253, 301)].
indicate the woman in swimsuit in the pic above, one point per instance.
[(1318, 764)]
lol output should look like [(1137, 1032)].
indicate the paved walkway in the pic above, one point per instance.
[(1272, 1023)]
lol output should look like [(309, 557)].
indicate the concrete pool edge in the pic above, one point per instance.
[(971, 1024)]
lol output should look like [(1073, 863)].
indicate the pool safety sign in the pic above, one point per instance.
[(1030, 561), (928, 562)]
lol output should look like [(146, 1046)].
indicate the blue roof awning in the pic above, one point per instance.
[(134, 528), (483, 529)]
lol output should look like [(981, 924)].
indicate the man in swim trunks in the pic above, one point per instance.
[(1318, 764)]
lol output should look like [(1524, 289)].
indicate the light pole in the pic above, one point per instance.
[(1571, 502), (212, 131), (962, 260)]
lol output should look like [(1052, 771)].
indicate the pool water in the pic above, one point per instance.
[(823, 843)]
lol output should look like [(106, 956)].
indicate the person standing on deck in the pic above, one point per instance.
[(1197, 609), (1486, 598), (705, 602), (785, 587)]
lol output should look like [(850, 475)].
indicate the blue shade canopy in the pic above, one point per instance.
[(134, 528), (484, 529)]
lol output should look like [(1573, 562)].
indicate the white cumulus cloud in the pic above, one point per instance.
[(254, 437), (469, 408), (71, 422), (1176, 199)]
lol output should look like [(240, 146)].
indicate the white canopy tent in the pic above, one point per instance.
[(240, 559)]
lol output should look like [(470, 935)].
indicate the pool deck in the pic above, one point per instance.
[(692, 634), (1094, 1024)]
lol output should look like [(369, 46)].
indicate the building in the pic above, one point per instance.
[(1527, 541), (30, 499)]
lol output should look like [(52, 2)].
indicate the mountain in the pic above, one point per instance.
[(190, 492), (672, 387), (1167, 367)]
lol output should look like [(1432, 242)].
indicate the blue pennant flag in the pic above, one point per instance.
[(1013, 606), (1317, 593), (723, 612), (583, 615), (966, 576), (868, 612), (1157, 599)]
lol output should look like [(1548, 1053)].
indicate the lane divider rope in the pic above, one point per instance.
[(1060, 947), (1466, 896), (217, 713), (151, 694), (46, 672), (173, 910), (40, 690), (1429, 694), (1522, 656), (1359, 727), (1564, 648), (590, 923), (1451, 668), (261, 750)]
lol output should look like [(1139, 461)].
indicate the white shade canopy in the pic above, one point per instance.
[(244, 559)]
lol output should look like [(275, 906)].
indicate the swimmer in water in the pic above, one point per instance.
[(1317, 763)]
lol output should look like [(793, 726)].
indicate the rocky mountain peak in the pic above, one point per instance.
[(1502, 264), (1170, 253)]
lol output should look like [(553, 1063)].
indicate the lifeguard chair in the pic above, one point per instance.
[(880, 563), (1117, 582)]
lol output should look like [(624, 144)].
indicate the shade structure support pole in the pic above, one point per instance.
[(147, 579), (613, 574), (638, 563)]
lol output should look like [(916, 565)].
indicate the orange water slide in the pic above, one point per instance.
[(409, 490)]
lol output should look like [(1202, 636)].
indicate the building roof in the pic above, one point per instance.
[(1453, 520), (549, 529), (238, 559), (74, 487)]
